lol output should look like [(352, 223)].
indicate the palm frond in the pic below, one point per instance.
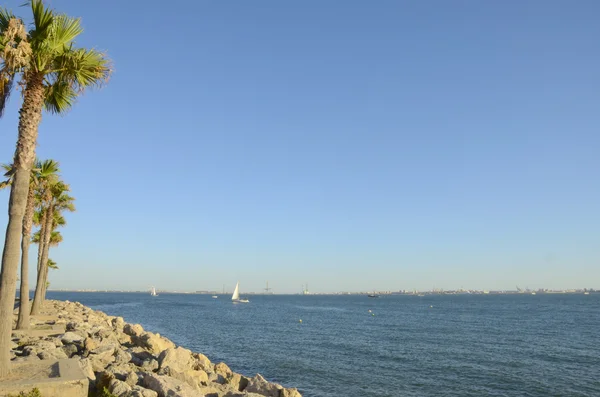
[(5, 16), (48, 167), (9, 173), (42, 18), (59, 97), (82, 68), (64, 30), (55, 238), (52, 264), (6, 85), (35, 237), (9, 170), (37, 217)]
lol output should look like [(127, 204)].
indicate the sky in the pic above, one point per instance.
[(350, 145)]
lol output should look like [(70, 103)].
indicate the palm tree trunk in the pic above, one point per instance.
[(29, 121), (38, 297), (23, 320)]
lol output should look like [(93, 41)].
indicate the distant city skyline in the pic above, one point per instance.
[(350, 145)]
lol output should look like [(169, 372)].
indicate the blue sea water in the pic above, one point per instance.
[(446, 345)]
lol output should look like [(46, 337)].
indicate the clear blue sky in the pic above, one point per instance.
[(353, 145)]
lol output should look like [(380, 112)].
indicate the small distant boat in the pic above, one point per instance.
[(215, 296), (235, 298), (153, 292), (373, 296), (586, 293), (533, 293)]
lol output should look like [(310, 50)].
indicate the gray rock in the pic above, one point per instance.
[(72, 337), (153, 342), (132, 378), (149, 365), (223, 369), (71, 325), (133, 329), (290, 393), (217, 378), (260, 385), (119, 388), (241, 394), (30, 351), (70, 350), (138, 391), (178, 359), (118, 323), (119, 372), (122, 357), (203, 361), (192, 377), (238, 382), (56, 354), (86, 367), (168, 387), (140, 353)]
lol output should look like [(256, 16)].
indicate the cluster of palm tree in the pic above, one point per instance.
[(47, 199), (52, 72)]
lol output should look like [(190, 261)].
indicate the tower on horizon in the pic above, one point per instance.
[(268, 290)]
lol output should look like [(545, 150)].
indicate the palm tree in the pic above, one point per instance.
[(59, 201), (51, 265), (53, 73), (44, 172), (55, 239)]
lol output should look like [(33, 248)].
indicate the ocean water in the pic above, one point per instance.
[(461, 345)]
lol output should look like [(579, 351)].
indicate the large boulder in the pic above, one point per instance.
[(86, 368), (56, 354), (290, 393), (69, 338), (122, 357), (223, 369), (132, 378), (149, 365), (153, 342), (138, 391), (133, 329), (90, 344), (192, 377), (139, 355), (120, 372), (203, 361), (104, 352), (178, 359), (238, 382), (119, 388), (166, 386), (260, 385), (118, 323), (70, 350)]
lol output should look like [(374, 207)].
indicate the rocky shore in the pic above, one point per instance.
[(127, 361)]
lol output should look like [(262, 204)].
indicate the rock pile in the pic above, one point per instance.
[(131, 362)]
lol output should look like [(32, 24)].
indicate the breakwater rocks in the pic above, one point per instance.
[(129, 361)]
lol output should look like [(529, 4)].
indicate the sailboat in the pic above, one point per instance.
[(235, 298), (153, 292)]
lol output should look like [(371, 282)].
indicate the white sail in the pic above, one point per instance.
[(153, 292), (236, 292)]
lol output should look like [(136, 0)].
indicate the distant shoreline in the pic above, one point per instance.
[(418, 293)]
